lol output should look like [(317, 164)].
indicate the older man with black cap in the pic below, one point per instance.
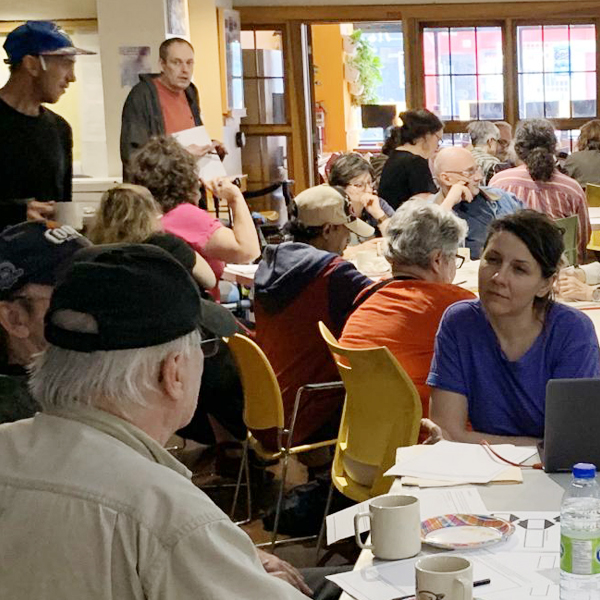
[(35, 143), (298, 284), (31, 257), (87, 489)]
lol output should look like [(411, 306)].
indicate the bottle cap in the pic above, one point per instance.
[(584, 471)]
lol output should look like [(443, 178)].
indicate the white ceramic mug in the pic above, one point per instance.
[(443, 576), (69, 213), (395, 526)]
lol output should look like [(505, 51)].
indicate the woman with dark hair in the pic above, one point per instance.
[(170, 172), (406, 172), (584, 165), (494, 356), (539, 184), (354, 174)]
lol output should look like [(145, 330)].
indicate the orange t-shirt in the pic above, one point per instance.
[(404, 316), (175, 108)]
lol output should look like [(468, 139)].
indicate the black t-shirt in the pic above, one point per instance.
[(404, 175), (36, 160)]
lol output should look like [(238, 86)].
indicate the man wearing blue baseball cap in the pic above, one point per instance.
[(35, 143)]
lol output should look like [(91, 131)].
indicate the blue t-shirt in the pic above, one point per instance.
[(504, 397), (489, 204)]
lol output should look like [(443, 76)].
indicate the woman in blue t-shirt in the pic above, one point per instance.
[(494, 356)]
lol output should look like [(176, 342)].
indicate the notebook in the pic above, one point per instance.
[(572, 425)]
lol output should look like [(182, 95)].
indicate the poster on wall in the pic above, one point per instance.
[(231, 56), (134, 60), (176, 18)]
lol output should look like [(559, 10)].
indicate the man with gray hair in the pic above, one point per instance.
[(403, 313), (460, 178), (484, 138), (92, 504)]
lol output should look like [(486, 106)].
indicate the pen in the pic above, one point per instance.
[(477, 583)]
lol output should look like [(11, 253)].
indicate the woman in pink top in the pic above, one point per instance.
[(169, 171), (539, 184)]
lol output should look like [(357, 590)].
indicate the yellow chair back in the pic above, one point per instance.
[(571, 229), (263, 406), (382, 412), (592, 193), (594, 244)]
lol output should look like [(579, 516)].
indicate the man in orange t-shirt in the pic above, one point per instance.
[(164, 103), (403, 313)]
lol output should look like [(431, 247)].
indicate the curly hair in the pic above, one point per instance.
[(168, 170), (589, 136), (127, 213), (417, 124), (535, 145)]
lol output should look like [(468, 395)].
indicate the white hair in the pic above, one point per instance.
[(418, 228), (482, 132), (118, 379)]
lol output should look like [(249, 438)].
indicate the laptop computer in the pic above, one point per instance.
[(572, 425)]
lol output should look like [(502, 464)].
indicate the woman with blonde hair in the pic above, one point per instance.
[(129, 213), (584, 165)]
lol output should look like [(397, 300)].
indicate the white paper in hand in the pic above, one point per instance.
[(210, 166)]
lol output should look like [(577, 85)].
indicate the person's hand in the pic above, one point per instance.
[(457, 193), (433, 431), (39, 211), (571, 287), (200, 151), (220, 149), (372, 205), (223, 188), (283, 570)]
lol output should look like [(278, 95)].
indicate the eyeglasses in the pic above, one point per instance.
[(210, 347), (460, 261), (467, 173), (363, 185)]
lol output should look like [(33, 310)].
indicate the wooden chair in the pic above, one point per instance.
[(263, 409), (570, 235), (382, 412)]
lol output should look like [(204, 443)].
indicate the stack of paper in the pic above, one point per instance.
[(209, 166), (455, 463)]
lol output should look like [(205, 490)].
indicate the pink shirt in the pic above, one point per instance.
[(195, 226), (558, 198)]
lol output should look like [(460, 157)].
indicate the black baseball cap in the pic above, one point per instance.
[(35, 252), (138, 294)]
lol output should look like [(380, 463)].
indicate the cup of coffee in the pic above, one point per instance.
[(395, 526), (69, 213), (443, 576)]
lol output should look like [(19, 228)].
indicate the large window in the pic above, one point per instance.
[(557, 71), (463, 68)]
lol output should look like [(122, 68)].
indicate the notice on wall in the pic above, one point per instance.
[(134, 61)]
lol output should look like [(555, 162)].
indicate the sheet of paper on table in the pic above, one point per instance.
[(209, 166), (453, 461), (434, 502)]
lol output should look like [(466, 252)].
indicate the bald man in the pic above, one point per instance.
[(459, 178)]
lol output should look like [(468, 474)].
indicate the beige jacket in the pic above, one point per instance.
[(93, 508)]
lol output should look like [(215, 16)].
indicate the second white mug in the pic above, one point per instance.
[(395, 526), (447, 577)]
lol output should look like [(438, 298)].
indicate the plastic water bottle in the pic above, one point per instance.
[(580, 536)]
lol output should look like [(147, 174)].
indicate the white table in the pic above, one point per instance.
[(538, 492)]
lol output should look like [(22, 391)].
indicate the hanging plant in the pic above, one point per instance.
[(368, 64)]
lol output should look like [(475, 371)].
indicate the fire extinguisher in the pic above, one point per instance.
[(320, 123)]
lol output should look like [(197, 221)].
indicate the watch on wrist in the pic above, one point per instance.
[(382, 219), (596, 294)]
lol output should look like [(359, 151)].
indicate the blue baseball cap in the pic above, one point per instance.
[(39, 37)]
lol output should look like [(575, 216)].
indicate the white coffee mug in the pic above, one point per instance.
[(69, 213), (443, 576), (395, 526)]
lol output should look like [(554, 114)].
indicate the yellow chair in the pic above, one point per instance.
[(382, 412), (592, 194), (263, 409), (570, 235), (594, 244)]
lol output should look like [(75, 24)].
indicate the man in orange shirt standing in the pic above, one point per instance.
[(164, 103), (403, 313)]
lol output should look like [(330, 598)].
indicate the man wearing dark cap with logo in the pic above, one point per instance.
[(298, 284), (31, 256), (35, 143), (86, 485)]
